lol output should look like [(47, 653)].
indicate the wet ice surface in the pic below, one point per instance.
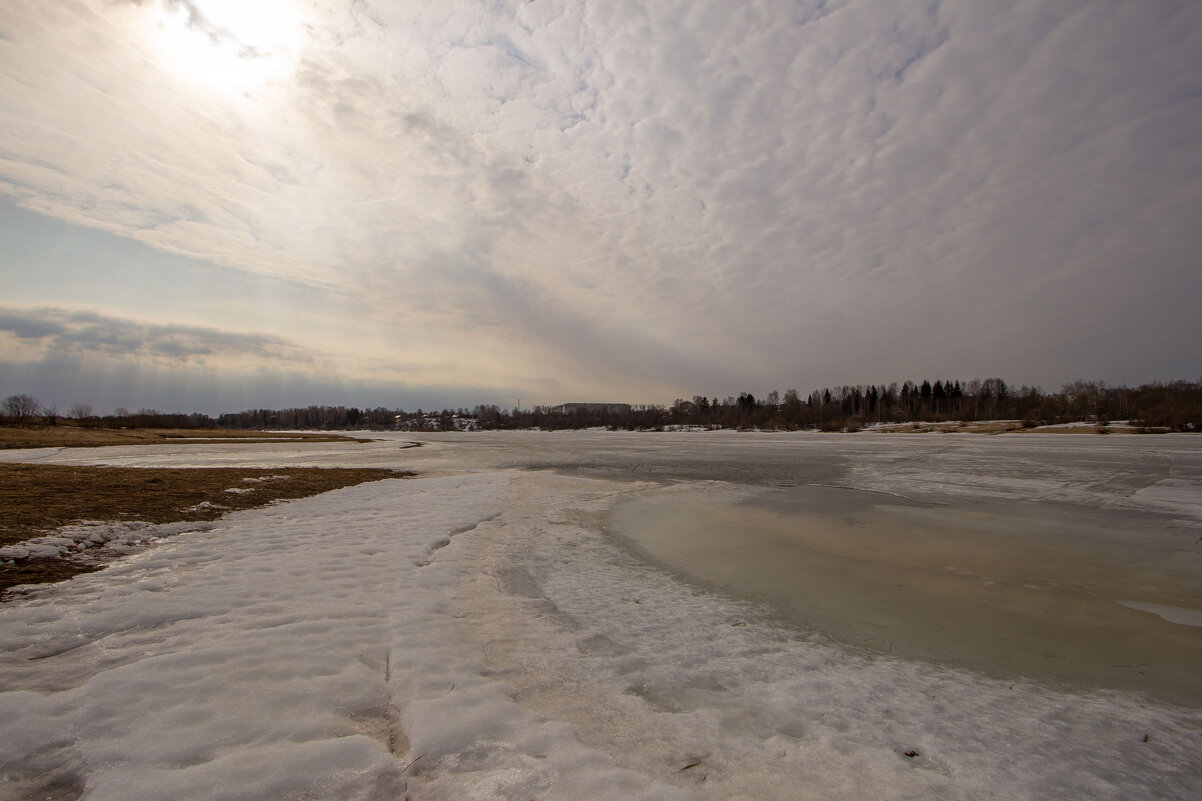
[(1007, 589), (483, 621)]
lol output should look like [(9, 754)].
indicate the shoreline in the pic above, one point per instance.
[(66, 436)]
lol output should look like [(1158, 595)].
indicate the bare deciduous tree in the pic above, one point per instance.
[(21, 407)]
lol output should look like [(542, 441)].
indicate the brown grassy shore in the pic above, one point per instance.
[(73, 436), (38, 500)]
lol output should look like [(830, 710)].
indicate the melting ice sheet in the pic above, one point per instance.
[(476, 633)]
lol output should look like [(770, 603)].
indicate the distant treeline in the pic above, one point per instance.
[(26, 410), (1175, 406)]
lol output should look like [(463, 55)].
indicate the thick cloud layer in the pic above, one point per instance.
[(643, 200), (86, 333)]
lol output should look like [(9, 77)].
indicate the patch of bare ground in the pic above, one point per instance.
[(38, 499), (1000, 427), (955, 426), (1091, 429), (72, 436)]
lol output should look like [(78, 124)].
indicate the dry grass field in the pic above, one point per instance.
[(72, 436), (37, 499)]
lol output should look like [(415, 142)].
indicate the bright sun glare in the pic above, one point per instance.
[(232, 46)]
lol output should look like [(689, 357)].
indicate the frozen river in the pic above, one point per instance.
[(611, 615)]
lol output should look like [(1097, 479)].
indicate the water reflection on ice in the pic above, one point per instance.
[(1173, 614), (1010, 589)]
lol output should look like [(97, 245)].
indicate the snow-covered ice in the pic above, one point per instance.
[(108, 536), (478, 632), (252, 660)]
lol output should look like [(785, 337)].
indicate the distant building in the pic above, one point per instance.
[(592, 408)]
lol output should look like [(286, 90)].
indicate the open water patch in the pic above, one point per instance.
[(1008, 591)]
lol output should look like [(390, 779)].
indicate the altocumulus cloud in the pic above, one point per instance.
[(654, 198), (63, 333)]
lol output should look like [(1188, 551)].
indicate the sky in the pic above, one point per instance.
[(211, 205)]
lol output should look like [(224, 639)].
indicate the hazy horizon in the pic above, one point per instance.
[(214, 205)]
